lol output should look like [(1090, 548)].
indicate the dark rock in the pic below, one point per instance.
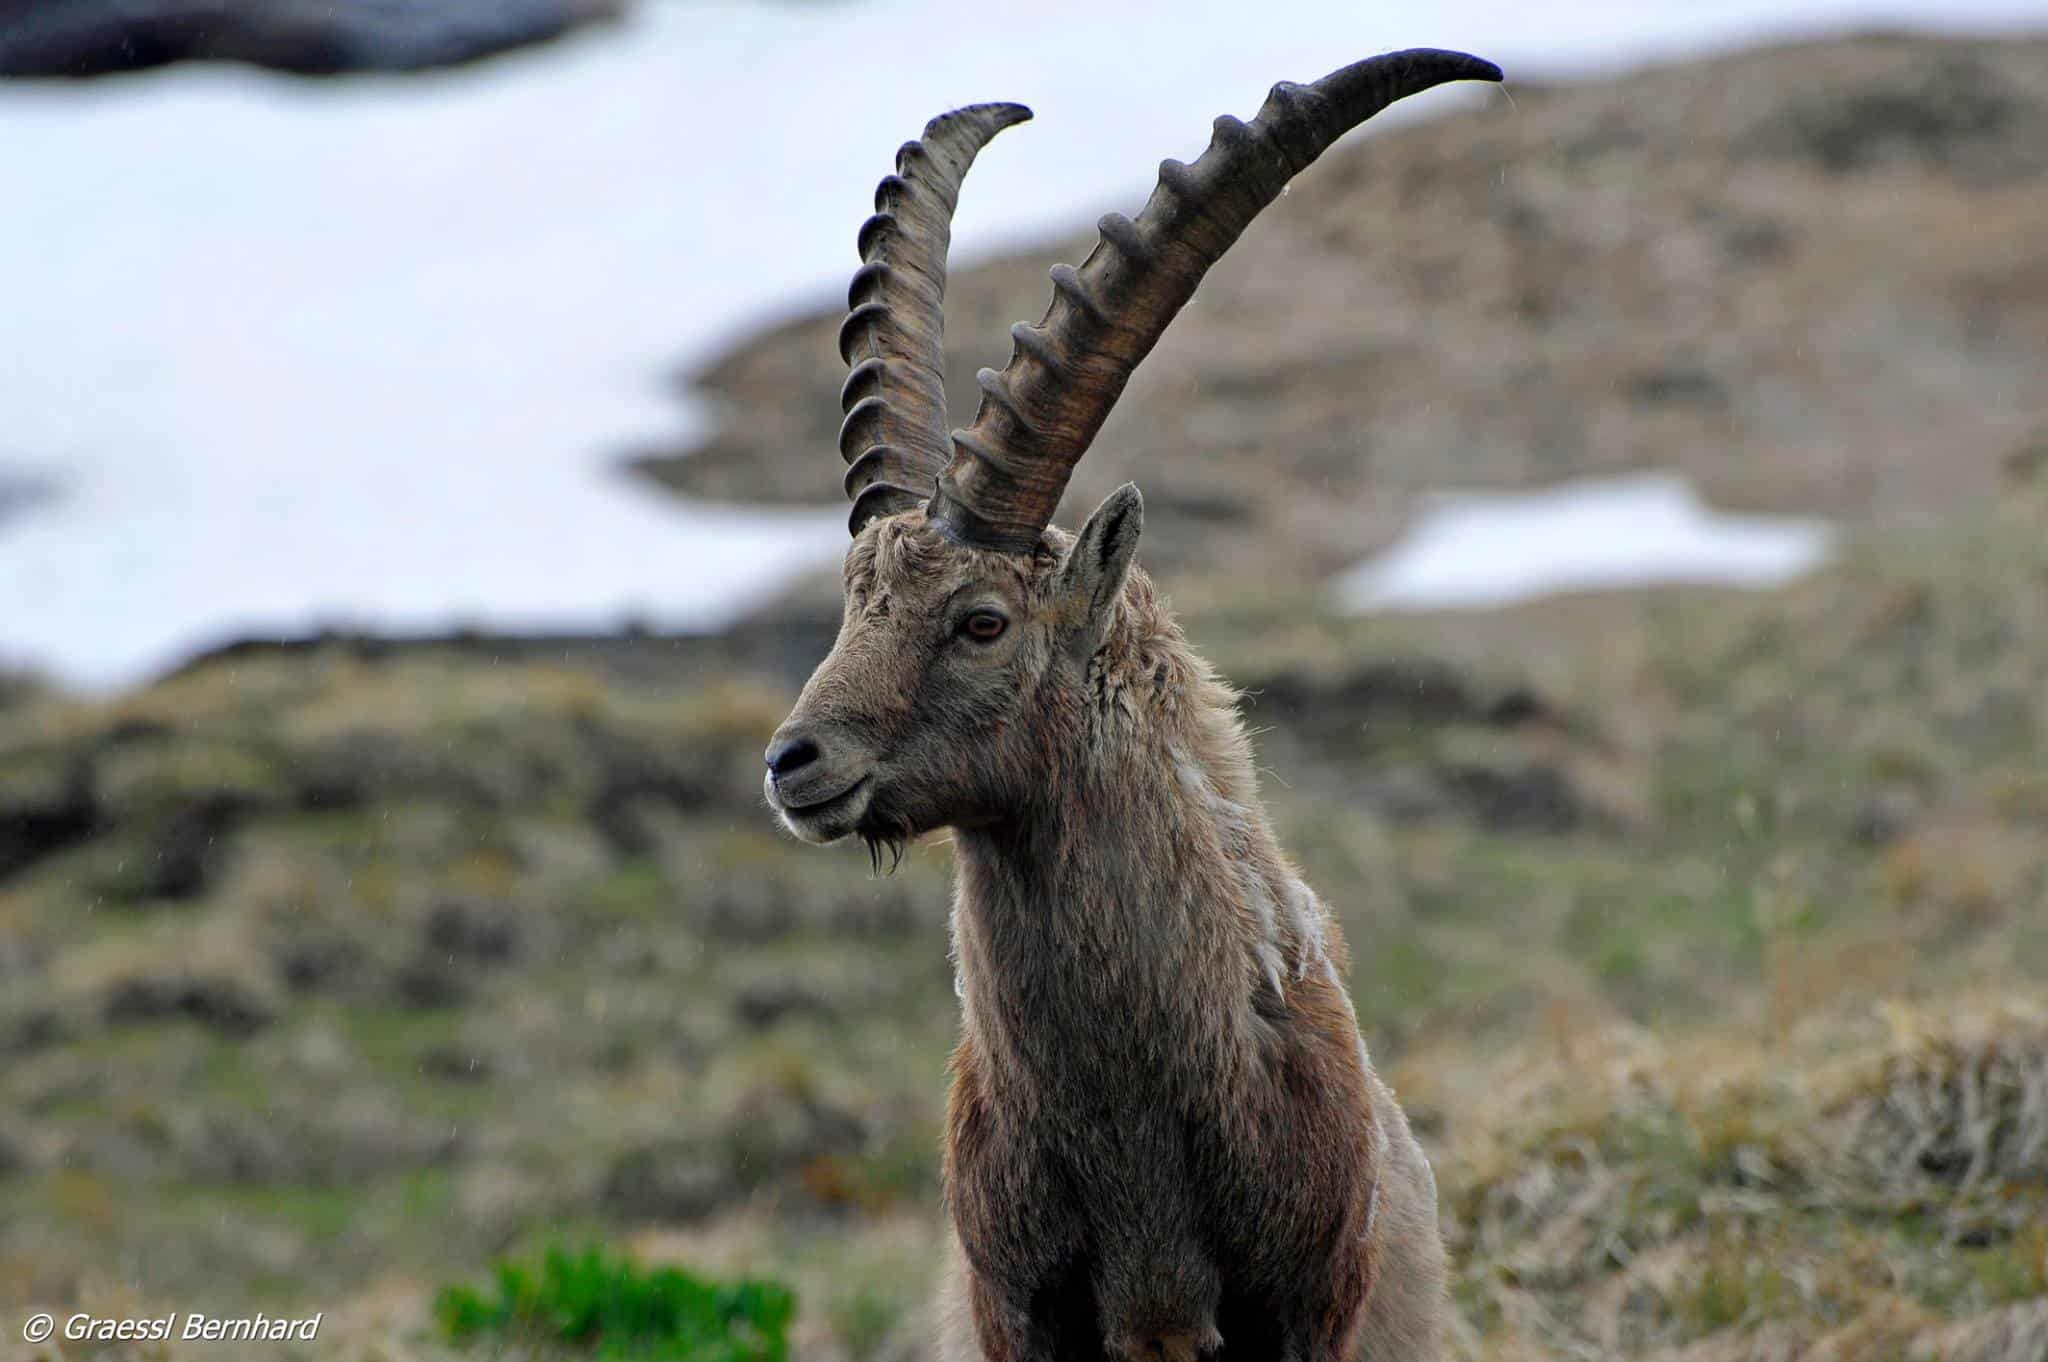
[(222, 1004), (1383, 699), (1982, 1235), (1419, 690), (308, 962), (335, 775), (186, 851), (782, 645), (472, 931), (1517, 705), (430, 983), (27, 1032), (1502, 799), (765, 1002), (672, 1179), (34, 825), (75, 38), (1883, 818), (1523, 799), (1945, 1162)]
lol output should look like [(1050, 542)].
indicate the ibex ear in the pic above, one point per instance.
[(1093, 576)]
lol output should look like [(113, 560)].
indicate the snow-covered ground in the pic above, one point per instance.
[(362, 352), (1477, 550)]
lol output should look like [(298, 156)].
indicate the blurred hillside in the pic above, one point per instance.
[(1704, 934), (1789, 274)]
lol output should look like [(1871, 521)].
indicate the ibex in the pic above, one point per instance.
[(1164, 1137)]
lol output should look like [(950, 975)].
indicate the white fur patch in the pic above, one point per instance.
[(1231, 816), (1266, 913), (1233, 821), (1269, 962), (1305, 915)]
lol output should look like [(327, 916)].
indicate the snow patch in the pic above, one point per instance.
[(1480, 550)]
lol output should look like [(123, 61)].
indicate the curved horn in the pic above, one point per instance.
[(894, 434), (1038, 415)]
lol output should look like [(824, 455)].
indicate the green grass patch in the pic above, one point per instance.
[(608, 1307)]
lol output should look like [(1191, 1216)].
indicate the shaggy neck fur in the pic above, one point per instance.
[(1137, 898)]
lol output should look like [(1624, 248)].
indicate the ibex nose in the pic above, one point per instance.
[(790, 754)]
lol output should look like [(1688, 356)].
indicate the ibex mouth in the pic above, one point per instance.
[(823, 820)]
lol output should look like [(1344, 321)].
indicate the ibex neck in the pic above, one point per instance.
[(1134, 914)]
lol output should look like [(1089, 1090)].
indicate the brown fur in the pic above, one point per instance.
[(1164, 1139)]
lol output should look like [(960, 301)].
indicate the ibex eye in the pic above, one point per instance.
[(984, 626)]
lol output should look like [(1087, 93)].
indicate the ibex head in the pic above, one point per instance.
[(966, 614)]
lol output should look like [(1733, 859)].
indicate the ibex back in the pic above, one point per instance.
[(1165, 1139)]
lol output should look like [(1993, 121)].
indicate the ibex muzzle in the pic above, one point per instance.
[(1165, 1138)]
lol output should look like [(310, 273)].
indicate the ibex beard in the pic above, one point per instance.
[(1165, 1139)]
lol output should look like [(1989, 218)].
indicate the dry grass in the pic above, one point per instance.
[(1882, 1173)]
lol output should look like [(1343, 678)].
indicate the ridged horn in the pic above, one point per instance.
[(893, 436), (1038, 416)]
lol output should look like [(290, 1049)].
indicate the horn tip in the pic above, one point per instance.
[(1446, 64), (995, 117), (1365, 87)]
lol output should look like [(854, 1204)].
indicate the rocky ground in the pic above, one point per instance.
[(1704, 934)]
